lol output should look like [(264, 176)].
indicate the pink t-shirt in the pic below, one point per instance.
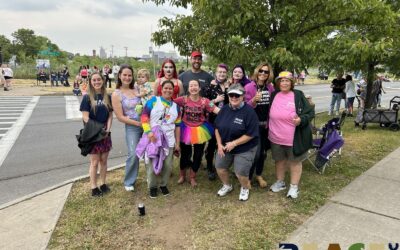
[(281, 115), (194, 112)]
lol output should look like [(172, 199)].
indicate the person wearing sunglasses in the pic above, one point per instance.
[(236, 131), (168, 72), (217, 93), (289, 132), (195, 130), (258, 96)]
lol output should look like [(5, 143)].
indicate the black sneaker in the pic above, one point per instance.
[(211, 176), (153, 192), (164, 191), (96, 192), (104, 188)]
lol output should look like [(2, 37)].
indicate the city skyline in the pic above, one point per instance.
[(112, 24)]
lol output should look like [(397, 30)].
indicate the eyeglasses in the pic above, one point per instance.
[(231, 95), (263, 71)]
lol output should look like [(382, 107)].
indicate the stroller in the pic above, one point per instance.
[(327, 142)]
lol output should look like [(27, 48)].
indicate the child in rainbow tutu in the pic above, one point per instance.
[(195, 130)]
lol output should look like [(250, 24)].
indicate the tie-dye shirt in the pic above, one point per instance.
[(159, 111)]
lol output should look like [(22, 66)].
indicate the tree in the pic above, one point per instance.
[(284, 32), (26, 43), (5, 45)]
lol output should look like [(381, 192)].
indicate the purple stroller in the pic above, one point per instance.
[(328, 142)]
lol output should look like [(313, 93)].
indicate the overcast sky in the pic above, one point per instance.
[(79, 26)]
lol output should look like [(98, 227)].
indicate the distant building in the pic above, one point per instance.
[(159, 56), (103, 53), (94, 53)]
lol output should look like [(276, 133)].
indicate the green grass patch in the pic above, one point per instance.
[(198, 219)]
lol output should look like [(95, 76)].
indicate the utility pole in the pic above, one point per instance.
[(112, 51), (126, 51)]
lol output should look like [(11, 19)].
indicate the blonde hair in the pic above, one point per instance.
[(144, 72), (255, 73), (92, 94)]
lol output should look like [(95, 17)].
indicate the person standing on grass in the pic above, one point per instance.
[(96, 106), (258, 96), (196, 73), (162, 114), (289, 132), (217, 93), (195, 130), (350, 91), (168, 72), (127, 108), (236, 131)]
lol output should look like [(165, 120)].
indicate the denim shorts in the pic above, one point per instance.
[(242, 162), (282, 153)]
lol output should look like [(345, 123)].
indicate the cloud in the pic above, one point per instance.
[(30, 5)]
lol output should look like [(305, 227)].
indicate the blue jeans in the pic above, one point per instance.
[(132, 137), (336, 98)]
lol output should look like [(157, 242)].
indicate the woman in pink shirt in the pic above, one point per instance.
[(289, 132)]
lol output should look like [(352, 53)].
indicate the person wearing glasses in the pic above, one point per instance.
[(217, 93), (196, 73), (258, 96), (168, 72), (236, 131), (289, 132), (195, 130)]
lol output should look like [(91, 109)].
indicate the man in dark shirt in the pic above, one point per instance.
[(337, 86), (196, 73)]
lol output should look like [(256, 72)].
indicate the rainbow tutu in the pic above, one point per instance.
[(196, 135)]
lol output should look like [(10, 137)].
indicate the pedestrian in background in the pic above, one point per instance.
[(96, 106), (350, 92), (8, 76), (338, 85)]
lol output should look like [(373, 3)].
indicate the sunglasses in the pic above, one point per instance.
[(234, 95), (263, 71)]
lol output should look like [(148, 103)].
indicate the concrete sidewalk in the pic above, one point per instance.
[(366, 211)]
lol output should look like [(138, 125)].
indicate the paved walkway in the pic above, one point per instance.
[(365, 211)]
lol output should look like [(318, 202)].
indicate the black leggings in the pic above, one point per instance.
[(261, 154), (186, 156), (210, 153)]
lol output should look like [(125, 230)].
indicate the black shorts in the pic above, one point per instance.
[(7, 77)]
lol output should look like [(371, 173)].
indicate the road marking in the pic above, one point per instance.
[(8, 117), (72, 106), (7, 142), (6, 122)]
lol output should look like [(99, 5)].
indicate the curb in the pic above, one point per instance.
[(46, 190)]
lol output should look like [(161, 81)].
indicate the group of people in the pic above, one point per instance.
[(234, 120), (108, 73), (6, 76)]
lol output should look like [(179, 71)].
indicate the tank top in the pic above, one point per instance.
[(128, 105)]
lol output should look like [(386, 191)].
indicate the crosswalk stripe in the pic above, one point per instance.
[(72, 106)]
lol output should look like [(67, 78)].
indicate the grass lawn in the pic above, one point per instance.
[(198, 219)]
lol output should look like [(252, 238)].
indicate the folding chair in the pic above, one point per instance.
[(328, 142)]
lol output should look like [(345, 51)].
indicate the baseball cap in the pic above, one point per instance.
[(196, 53), (236, 89)]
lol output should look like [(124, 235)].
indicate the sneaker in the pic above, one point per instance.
[(211, 176), (225, 190), (278, 186), (130, 188), (104, 188), (164, 191), (153, 192), (293, 191), (244, 194), (96, 192)]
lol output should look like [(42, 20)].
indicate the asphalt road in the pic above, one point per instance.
[(45, 153)]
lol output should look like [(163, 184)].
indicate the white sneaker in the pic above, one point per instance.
[(278, 186), (225, 190), (293, 191), (244, 194), (130, 188)]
